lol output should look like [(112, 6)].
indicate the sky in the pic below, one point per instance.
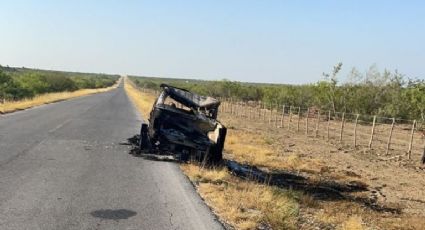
[(291, 42)]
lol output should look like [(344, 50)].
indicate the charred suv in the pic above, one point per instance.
[(184, 124)]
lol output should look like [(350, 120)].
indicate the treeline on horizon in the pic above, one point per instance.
[(22, 83), (385, 94)]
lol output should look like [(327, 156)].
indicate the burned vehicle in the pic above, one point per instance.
[(185, 125)]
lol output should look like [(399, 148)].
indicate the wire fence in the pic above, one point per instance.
[(391, 137)]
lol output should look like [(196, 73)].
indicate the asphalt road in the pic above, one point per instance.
[(64, 166)]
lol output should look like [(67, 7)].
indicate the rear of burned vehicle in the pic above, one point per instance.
[(184, 124)]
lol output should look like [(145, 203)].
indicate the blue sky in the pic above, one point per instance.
[(255, 41)]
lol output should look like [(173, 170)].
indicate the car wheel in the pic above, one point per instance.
[(144, 139)]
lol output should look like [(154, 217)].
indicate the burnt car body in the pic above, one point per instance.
[(184, 124)]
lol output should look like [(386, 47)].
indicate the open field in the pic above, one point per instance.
[(401, 141), (330, 184)]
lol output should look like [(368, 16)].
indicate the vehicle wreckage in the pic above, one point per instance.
[(185, 125)]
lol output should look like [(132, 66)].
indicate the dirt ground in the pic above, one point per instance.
[(344, 182)]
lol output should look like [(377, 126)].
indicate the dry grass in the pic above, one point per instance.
[(244, 204), (254, 148), (142, 101), (12, 106), (353, 223)]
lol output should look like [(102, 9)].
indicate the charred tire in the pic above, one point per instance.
[(215, 154), (144, 138)]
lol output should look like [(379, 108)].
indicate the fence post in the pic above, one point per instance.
[(240, 109), (283, 116), (259, 110), (250, 112), (372, 132), (265, 110), (299, 117), (423, 155), (317, 123), (306, 121), (231, 106), (409, 152), (277, 114), (270, 117), (228, 105), (355, 130), (342, 127), (290, 118), (389, 137), (329, 122)]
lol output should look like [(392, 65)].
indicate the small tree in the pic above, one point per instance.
[(329, 87)]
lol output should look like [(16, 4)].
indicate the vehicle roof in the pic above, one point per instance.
[(190, 99)]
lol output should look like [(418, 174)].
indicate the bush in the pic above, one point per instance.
[(385, 94), (19, 83)]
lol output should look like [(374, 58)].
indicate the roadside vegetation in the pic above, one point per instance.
[(143, 101), (388, 94), (21, 88), (22, 83)]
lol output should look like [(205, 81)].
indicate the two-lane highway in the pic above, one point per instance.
[(63, 166)]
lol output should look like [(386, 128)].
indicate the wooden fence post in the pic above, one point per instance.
[(299, 117), (277, 114), (270, 117), (423, 155), (317, 123), (329, 122), (342, 127), (409, 151), (283, 116), (372, 132), (227, 105), (306, 121), (389, 137), (251, 112), (231, 106), (265, 110), (240, 109), (259, 110), (290, 118), (355, 130)]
